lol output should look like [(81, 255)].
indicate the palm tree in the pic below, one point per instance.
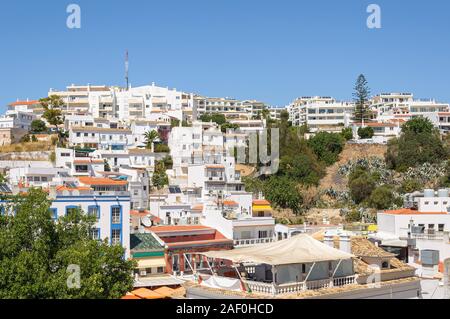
[(150, 138)]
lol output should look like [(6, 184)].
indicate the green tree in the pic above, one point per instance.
[(228, 126), (353, 216), (418, 144), (214, 117), (283, 192), (25, 139), (361, 98), (365, 132), (304, 168), (382, 198), (35, 253), (162, 148), (53, 110), (411, 185), (327, 146), (150, 138), (419, 125), (160, 178), (361, 188), (38, 126), (347, 133)]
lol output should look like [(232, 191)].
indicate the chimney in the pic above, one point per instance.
[(345, 244), (328, 240)]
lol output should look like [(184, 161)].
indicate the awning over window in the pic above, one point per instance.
[(151, 263)]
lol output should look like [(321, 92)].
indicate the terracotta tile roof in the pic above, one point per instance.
[(407, 211), (130, 296), (138, 151), (145, 293), (180, 228), (215, 166), (17, 103), (65, 188), (261, 202), (88, 161), (198, 207), (139, 213), (100, 129), (199, 242), (364, 248), (100, 181), (230, 203)]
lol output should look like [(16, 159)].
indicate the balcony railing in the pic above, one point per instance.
[(252, 242), (429, 236), (273, 289)]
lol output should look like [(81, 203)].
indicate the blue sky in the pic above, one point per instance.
[(273, 51)]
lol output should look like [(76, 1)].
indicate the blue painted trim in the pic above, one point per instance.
[(91, 201), (71, 207), (96, 196), (117, 226)]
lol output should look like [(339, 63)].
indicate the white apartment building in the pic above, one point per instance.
[(79, 162), (275, 112), (245, 227), (320, 113), (176, 208), (28, 106), (17, 119), (404, 106), (231, 108), (115, 139), (426, 219), (161, 125), (28, 176), (123, 104)]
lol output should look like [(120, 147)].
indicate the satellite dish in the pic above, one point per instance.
[(146, 221)]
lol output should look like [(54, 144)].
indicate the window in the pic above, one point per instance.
[(441, 227), (116, 215), (262, 234), (160, 270), (430, 226), (115, 237), (54, 213), (71, 209), (385, 265), (95, 233), (94, 211)]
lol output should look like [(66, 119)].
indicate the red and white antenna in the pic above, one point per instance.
[(126, 69)]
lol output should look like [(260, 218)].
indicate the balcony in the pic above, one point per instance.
[(216, 178), (428, 235), (273, 289)]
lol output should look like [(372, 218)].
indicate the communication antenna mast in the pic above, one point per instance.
[(126, 69)]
